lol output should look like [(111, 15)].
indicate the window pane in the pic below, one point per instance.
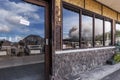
[(87, 30), (70, 29), (117, 34), (98, 32), (107, 33), (20, 33)]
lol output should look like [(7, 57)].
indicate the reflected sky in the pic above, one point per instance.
[(118, 27), (87, 26), (19, 19), (70, 20), (98, 26), (107, 26)]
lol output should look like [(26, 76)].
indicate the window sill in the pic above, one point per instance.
[(82, 50)]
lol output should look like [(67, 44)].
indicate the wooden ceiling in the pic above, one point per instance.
[(114, 4)]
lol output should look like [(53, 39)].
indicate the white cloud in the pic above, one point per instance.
[(12, 12), (4, 28), (15, 38)]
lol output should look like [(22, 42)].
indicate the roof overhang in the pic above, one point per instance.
[(113, 4)]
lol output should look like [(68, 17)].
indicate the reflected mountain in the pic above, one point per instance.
[(32, 44), (33, 40)]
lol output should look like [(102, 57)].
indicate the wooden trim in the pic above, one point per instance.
[(80, 27), (101, 9), (47, 31), (93, 31), (117, 16), (106, 6), (84, 3), (112, 32), (61, 30), (104, 32), (47, 47), (53, 36), (70, 7), (36, 2), (62, 27)]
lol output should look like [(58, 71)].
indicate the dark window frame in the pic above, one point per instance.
[(94, 15), (116, 22), (87, 13), (106, 19), (101, 18)]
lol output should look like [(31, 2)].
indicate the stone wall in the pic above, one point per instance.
[(73, 63)]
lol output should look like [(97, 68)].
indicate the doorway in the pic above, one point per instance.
[(24, 40)]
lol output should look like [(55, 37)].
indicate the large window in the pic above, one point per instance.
[(87, 31), (84, 29), (22, 27), (107, 36), (70, 29), (98, 32), (23, 31), (117, 33)]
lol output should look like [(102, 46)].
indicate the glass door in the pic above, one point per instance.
[(23, 39)]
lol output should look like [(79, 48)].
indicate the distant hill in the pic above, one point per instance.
[(33, 40), (6, 43)]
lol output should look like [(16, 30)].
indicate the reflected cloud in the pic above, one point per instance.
[(13, 12)]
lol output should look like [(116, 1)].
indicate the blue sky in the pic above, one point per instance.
[(12, 12)]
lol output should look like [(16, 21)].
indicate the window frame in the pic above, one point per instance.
[(103, 26), (94, 15), (116, 22), (110, 20)]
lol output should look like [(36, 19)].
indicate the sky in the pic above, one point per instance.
[(19, 19), (71, 19)]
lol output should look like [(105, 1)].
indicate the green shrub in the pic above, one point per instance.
[(116, 57)]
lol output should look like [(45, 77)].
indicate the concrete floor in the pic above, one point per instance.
[(26, 72), (113, 76)]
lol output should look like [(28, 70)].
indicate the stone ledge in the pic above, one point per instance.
[(82, 50), (98, 73)]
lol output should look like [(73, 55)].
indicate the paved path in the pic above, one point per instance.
[(113, 76), (27, 72)]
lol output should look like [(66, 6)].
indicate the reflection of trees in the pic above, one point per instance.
[(99, 37), (107, 35), (1, 42), (117, 33)]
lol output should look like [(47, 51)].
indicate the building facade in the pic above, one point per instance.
[(94, 47), (69, 37)]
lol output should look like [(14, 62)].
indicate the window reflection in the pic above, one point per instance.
[(107, 33), (98, 32), (117, 33), (70, 29), (87, 30), (21, 28)]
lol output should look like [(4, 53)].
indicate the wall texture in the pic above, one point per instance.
[(93, 6), (79, 3), (67, 65)]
